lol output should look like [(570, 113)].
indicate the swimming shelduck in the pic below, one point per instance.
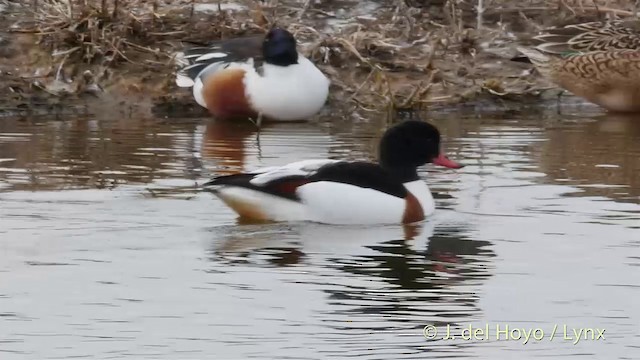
[(343, 192), (257, 77)]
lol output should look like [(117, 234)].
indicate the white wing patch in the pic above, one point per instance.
[(200, 64), (184, 81), (298, 168), (197, 92), (213, 55), (180, 59)]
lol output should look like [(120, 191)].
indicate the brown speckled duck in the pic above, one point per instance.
[(599, 61)]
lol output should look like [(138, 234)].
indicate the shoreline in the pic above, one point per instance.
[(379, 57)]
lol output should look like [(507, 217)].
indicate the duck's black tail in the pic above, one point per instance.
[(241, 180)]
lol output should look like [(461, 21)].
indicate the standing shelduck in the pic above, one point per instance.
[(259, 76), (343, 192)]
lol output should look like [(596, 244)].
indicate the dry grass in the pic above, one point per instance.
[(87, 38), (401, 55), (105, 31)]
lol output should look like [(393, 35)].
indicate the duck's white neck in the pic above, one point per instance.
[(421, 191)]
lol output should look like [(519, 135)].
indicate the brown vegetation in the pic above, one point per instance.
[(390, 54)]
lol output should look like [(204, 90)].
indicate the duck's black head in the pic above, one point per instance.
[(279, 48), (410, 144)]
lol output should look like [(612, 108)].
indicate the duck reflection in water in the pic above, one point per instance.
[(418, 271), (225, 142)]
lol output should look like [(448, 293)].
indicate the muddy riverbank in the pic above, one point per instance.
[(62, 57)]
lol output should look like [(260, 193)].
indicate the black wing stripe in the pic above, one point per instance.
[(362, 174), (282, 187), (194, 70)]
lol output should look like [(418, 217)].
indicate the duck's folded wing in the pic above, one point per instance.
[(304, 168), (278, 180), (236, 49), (357, 173), (196, 60)]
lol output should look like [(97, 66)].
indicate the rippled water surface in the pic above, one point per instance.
[(108, 249)]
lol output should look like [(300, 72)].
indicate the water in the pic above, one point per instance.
[(108, 249)]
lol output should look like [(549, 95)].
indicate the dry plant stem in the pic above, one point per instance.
[(602, 9), (595, 4), (455, 20), (564, 4), (70, 9), (413, 94), (169, 33), (155, 11), (362, 106), (419, 92), (60, 67), (421, 95), (449, 10), (361, 85), (39, 86), (599, 9), (114, 14), (142, 48), (349, 46), (304, 9), (437, 99), (388, 95), (116, 48), (403, 11), (480, 11)]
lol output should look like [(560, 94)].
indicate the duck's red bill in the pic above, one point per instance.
[(442, 160)]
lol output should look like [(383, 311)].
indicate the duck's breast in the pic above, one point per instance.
[(422, 193), (287, 93)]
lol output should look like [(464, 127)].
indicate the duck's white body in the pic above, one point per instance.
[(322, 201), (285, 93)]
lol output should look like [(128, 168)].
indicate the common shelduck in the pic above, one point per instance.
[(261, 77), (343, 192)]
